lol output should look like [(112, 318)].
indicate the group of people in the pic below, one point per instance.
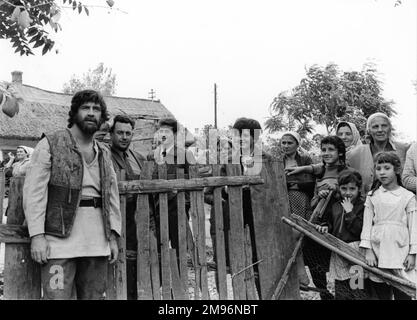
[(71, 198), (372, 206)]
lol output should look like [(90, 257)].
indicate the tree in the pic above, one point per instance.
[(24, 22), (326, 96), (100, 79)]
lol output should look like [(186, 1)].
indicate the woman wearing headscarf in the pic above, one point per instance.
[(300, 190), (19, 167), (379, 128), (348, 132)]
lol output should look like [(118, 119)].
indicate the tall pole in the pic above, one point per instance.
[(215, 106)]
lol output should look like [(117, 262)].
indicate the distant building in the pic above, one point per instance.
[(44, 111)]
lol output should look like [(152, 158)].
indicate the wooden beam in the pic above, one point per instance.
[(12, 233), (354, 256), (162, 185)]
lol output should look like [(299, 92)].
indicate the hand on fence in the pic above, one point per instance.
[(40, 249), (293, 170), (324, 193), (370, 257), (410, 262), (322, 229), (114, 251)]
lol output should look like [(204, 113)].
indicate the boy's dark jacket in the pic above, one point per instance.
[(349, 228)]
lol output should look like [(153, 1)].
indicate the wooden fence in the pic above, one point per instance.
[(185, 273)]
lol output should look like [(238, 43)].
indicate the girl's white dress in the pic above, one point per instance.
[(390, 227)]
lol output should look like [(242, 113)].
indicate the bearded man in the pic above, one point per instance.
[(71, 204)]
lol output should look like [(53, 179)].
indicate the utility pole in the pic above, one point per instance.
[(215, 106), (152, 94)]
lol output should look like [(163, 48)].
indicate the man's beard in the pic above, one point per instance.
[(88, 128)]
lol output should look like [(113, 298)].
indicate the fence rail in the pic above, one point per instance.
[(168, 272)]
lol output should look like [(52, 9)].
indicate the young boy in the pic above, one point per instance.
[(343, 218)]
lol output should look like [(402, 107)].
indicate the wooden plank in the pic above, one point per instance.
[(158, 185), (178, 289), (220, 245), (116, 276), (164, 234), (273, 239), (249, 274), (22, 279), (318, 212), (195, 249), (198, 200), (356, 257), (237, 237), (2, 192), (156, 282), (182, 236), (11, 233), (143, 261)]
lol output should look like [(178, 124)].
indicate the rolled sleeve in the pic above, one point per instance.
[(409, 175), (367, 224), (35, 188), (115, 214), (412, 224)]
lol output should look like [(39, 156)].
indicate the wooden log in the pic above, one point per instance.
[(182, 236), (144, 283), (273, 239), (355, 257), (163, 185), (237, 237), (164, 234), (220, 244), (178, 289), (249, 274), (318, 212), (21, 274), (198, 201)]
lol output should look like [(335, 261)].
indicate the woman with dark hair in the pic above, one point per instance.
[(300, 188), (379, 128)]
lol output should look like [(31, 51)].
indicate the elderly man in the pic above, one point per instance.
[(71, 204)]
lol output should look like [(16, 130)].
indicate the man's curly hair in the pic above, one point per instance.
[(85, 96)]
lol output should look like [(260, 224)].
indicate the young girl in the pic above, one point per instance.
[(343, 218), (333, 153), (389, 231)]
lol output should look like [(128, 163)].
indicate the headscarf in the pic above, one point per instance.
[(28, 150), (355, 133), (295, 135), (382, 115)]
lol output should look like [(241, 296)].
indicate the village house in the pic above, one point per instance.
[(45, 111)]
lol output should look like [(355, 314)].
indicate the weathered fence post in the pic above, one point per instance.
[(21, 274)]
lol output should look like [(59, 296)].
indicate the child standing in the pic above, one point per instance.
[(389, 231), (333, 153), (343, 218)]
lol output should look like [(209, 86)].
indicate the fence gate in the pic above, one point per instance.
[(188, 271)]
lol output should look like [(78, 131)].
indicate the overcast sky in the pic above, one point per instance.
[(252, 49)]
